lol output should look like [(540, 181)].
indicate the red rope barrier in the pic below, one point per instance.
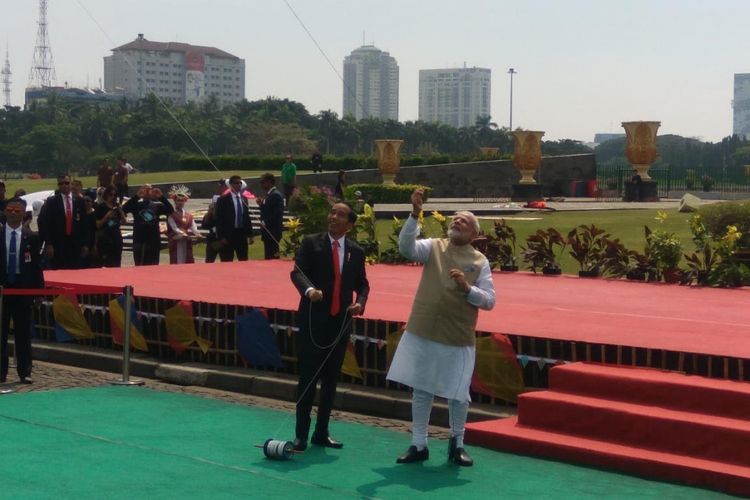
[(53, 289)]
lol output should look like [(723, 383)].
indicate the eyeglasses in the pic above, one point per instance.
[(12, 210), (236, 183), (63, 183)]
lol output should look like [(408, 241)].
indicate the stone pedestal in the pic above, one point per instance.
[(645, 191), (526, 192)]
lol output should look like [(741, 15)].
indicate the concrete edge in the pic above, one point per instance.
[(352, 398)]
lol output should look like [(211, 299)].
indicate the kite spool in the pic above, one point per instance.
[(278, 450)]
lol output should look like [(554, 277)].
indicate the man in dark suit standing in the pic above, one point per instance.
[(62, 226), (329, 270), (271, 216), (147, 207), (20, 267), (233, 226)]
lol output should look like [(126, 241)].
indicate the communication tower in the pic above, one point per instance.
[(42, 67)]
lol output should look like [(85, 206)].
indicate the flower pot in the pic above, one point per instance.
[(551, 271), (640, 146), (527, 153), (509, 268), (672, 275), (591, 273), (636, 275), (389, 159)]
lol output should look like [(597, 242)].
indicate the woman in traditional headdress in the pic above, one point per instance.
[(181, 228)]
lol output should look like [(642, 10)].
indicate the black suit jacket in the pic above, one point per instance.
[(272, 213), (51, 221), (225, 216), (30, 260), (314, 268)]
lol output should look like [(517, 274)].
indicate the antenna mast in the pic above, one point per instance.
[(42, 67), (6, 79)]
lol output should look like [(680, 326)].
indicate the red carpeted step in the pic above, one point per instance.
[(505, 435), (727, 398), (706, 436)]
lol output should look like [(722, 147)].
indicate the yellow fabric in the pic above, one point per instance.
[(181, 327), (497, 369), (117, 315), (392, 339), (350, 366), (69, 316)]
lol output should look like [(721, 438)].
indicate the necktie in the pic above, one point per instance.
[(336, 296), (68, 217), (238, 209), (12, 259)]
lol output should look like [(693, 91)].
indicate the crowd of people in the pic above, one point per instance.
[(83, 228)]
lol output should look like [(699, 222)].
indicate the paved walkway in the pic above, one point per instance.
[(50, 376)]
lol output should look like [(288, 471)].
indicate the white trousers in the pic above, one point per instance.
[(421, 407)]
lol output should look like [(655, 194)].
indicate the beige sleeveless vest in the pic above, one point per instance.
[(440, 312)]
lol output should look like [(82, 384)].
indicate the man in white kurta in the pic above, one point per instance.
[(435, 356)]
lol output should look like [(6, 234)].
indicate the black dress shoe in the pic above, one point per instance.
[(327, 441), (300, 444), (27, 380), (458, 455), (413, 455)]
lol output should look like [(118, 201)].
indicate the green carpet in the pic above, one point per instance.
[(129, 442)]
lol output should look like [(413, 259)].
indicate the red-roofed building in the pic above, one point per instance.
[(178, 72)]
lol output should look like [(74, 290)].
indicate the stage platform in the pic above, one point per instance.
[(698, 330)]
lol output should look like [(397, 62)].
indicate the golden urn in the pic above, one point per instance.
[(527, 153), (389, 158), (640, 146)]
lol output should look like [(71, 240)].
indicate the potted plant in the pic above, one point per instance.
[(666, 250), (506, 246), (540, 251), (708, 182), (615, 259), (587, 245)]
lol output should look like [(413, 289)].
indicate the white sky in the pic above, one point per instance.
[(583, 66)]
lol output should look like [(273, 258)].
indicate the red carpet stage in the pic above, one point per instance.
[(673, 318), (651, 423)]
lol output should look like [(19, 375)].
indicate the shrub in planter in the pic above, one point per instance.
[(382, 193), (587, 245), (615, 259), (540, 250), (506, 245), (716, 217), (708, 182)]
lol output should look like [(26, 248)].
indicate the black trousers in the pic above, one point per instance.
[(17, 308), (211, 252), (146, 253), (271, 245), (67, 254), (237, 245), (311, 358)]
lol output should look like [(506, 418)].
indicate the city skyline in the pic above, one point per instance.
[(582, 66)]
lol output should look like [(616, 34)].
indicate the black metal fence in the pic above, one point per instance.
[(674, 181)]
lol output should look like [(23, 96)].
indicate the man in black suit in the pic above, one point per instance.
[(271, 216), (20, 267), (62, 226), (147, 207), (233, 226), (328, 271)]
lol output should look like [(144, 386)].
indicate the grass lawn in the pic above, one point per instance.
[(32, 185), (624, 224)]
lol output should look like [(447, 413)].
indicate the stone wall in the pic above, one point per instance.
[(481, 179)]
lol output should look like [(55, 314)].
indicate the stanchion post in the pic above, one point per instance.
[(128, 291), (3, 390)]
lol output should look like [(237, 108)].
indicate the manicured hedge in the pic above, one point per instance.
[(385, 193), (717, 216)]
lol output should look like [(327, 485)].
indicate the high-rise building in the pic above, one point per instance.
[(178, 72), (370, 84), (741, 105), (454, 96)]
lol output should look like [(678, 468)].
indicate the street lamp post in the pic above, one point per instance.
[(511, 72)]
